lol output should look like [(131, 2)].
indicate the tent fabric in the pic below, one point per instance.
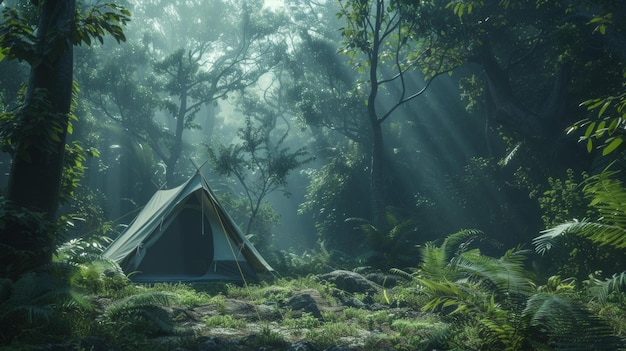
[(184, 235)]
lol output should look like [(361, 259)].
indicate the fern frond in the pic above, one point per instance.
[(505, 161), (602, 289), (148, 298), (504, 275), (142, 318), (448, 294), (460, 241), (603, 234), (567, 325), (403, 274)]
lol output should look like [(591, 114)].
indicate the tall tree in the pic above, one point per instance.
[(380, 39), (36, 134)]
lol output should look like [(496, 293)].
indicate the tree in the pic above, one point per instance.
[(36, 134), (260, 164), (180, 75), (380, 39)]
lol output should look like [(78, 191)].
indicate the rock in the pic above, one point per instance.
[(338, 348), (89, 343), (350, 301), (302, 345), (306, 301), (351, 282), (213, 344), (384, 280)]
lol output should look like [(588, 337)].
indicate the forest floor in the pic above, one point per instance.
[(338, 311)]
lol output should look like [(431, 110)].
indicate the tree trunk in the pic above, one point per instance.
[(377, 178), (507, 108), (35, 179), (376, 173)]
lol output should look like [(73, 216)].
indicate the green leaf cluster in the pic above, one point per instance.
[(606, 127), (608, 196), (99, 21)]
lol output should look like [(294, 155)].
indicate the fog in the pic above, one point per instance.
[(270, 100)]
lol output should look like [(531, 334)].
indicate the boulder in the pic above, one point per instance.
[(306, 301), (351, 282)]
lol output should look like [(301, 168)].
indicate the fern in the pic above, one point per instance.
[(142, 313), (608, 196), (601, 233), (43, 297), (565, 325), (404, 274), (602, 289), (504, 275)]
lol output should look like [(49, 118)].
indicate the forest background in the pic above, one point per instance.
[(349, 133), (472, 101)]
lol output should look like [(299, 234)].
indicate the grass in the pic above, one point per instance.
[(135, 316), (332, 333), (225, 321)]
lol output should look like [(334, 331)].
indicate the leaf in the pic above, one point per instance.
[(613, 125), (604, 107), (590, 129), (592, 104), (589, 145), (612, 146)]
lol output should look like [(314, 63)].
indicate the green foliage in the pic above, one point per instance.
[(260, 166), (566, 210), (40, 229), (225, 321), (608, 197), (564, 199), (98, 21), (496, 299), (603, 290), (267, 337), (565, 325), (41, 305), (141, 314), (606, 128), (74, 170), (298, 264), (330, 334), (389, 247), (19, 41), (262, 232), (336, 192)]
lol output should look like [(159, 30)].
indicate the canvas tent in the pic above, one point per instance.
[(184, 235)]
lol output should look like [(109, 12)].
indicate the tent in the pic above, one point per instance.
[(184, 235)]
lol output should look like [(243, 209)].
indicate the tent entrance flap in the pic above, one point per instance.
[(181, 249)]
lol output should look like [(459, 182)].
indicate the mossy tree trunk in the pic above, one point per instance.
[(36, 171)]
